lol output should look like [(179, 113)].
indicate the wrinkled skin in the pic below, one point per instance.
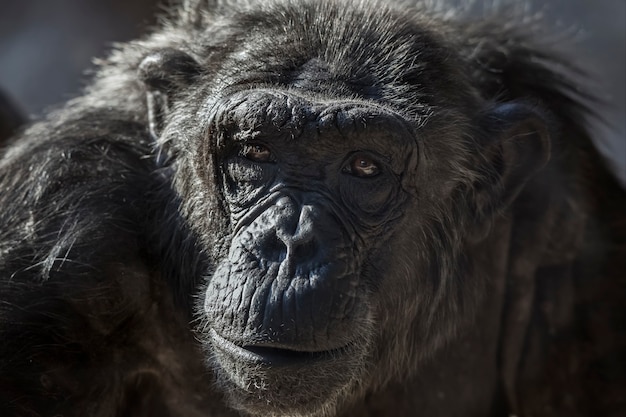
[(255, 211)]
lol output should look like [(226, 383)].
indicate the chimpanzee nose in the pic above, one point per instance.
[(295, 230)]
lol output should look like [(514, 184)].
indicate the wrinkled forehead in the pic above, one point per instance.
[(282, 116)]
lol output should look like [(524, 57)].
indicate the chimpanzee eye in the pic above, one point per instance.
[(361, 165), (257, 153)]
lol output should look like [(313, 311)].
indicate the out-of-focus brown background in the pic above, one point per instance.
[(46, 46)]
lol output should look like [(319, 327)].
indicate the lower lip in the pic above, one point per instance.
[(271, 356)]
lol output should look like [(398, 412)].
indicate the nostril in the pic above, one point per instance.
[(305, 249), (273, 249), (287, 231)]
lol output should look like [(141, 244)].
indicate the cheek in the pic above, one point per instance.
[(243, 182), (239, 284), (398, 269), (373, 202), (402, 272)]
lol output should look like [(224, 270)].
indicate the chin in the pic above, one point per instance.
[(271, 381)]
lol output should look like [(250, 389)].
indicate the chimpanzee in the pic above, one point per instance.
[(315, 208)]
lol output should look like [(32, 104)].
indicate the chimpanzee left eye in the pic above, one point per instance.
[(361, 165), (257, 153)]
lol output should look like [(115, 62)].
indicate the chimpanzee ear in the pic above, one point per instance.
[(516, 147), (165, 72)]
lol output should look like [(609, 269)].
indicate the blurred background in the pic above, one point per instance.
[(46, 47)]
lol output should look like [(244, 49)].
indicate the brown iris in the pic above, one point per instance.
[(361, 165)]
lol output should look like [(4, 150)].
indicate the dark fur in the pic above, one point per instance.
[(497, 290)]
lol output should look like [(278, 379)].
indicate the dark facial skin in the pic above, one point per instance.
[(314, 209), (312, 190)]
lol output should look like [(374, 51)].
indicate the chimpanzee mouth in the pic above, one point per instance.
[(273, 356)]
